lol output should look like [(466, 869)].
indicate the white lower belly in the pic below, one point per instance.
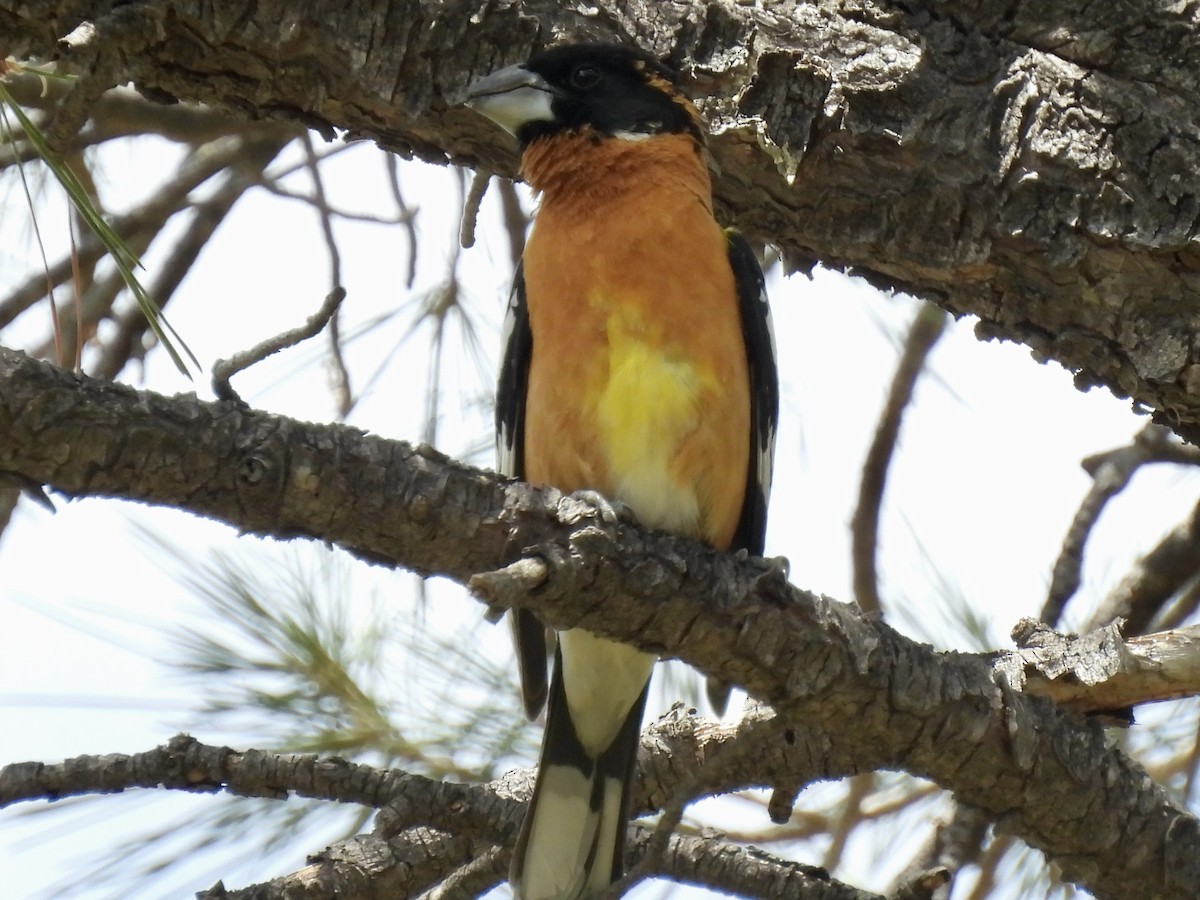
[(602, 680)]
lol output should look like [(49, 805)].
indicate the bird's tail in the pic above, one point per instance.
[(572, 840)]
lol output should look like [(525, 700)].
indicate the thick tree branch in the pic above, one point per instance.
[(875, 697), (443, 819), (370, 868), (673, 749), (185, 764), (1034, 163)]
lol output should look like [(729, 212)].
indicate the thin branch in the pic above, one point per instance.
[(713, 863), (1155, 578), (474, 879), (365, 868), (849, 816), (185, 764), (988, 864), (956, 841), (206, 217), (366, 218), (471, 203), (1182, 609), (408, 216), (1110, 473), (148, 219), (1193, 767), (340, 374), (224, 369), (926, 328)]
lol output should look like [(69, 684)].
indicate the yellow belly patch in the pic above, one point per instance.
[(646, 408)]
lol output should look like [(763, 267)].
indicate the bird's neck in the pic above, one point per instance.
[(590, 172)]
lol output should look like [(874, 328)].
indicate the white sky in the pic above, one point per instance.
[(982, 489)]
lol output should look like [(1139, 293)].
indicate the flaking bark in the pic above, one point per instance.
[(1036, 164)]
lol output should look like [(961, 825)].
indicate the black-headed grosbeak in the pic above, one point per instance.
[(638, 364)]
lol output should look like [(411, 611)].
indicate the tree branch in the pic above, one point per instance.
[(1111, 472), (874, 697), (927, 326), (1036, 164), (440, 818), (1102, 670)]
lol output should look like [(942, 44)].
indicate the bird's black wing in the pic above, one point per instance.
[(759, 337), (529, 635)]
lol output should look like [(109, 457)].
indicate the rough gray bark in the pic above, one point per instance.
[(1034, 163), (476, 816), (866, 697)]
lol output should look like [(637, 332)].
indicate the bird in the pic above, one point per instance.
[(638, 367)]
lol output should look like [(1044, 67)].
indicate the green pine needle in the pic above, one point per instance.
[(124, 258)]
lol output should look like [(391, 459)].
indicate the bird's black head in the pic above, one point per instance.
[(615, 91)]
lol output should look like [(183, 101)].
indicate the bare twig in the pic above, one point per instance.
[(148, 219), (1182, 609), (1157, 577), (224, 369), (850, 815), (408, 216), (1193, 764), (471, 203), (366, 868), (1110, 472), (927, 327), (340, 374), (956, 841), (185, 764), (746, 871), (988, 864), (474, 879)]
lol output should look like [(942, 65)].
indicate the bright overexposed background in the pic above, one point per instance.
[(983, 486)]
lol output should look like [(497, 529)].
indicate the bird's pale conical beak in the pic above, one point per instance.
[(512, 97)]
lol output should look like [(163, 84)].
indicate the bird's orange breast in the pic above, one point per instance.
[(638, 384)]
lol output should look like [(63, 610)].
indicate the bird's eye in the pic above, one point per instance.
[(585, 76)]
